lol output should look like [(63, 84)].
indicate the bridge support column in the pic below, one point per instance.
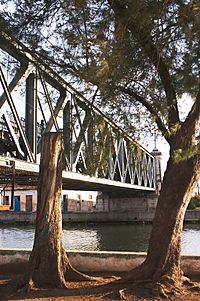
[(67, 131), (158, 175), (102, 202), (143, 203), (31, 113), (130, 208)]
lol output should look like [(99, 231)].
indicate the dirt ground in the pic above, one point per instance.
[(105, 289)]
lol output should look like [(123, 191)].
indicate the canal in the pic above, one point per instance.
[(100, 237)]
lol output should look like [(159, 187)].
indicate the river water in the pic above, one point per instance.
[(100, 237)]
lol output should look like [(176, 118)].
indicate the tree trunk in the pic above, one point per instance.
[(165, 243), (48, 260), (48, 263), (162, 263)]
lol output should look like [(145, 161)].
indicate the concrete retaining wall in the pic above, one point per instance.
[(17, 217), (113, 216), (98, 261)]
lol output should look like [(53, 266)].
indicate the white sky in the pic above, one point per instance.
[(184, 105)]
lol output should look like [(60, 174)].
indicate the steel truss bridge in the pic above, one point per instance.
[(98, 155)]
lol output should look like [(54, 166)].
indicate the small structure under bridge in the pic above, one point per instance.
[(98, 155)]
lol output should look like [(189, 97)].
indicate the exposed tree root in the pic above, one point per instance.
[(122, 294), (20, 286), (33, 279), (74, 275), (164, 287)]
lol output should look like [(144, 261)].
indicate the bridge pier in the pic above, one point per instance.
[(102, 202), (108, 203)]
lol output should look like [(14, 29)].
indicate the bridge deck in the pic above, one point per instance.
[(26, 174)]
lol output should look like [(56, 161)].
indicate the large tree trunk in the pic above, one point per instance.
[(165, 242), (48, 260), (162, 263), (48, 263)]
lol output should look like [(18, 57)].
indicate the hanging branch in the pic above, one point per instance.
[(149, 107), (144, 39)]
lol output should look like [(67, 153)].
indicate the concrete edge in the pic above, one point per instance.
[(97, 261)]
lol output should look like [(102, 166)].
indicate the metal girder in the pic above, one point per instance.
[(13, 134), (18, 49), (67, 132), (48, 99), (20, 74), (93, 145), (15, 115), (31, 113), (59, 106)]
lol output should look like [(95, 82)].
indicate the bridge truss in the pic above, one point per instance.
[(93, 145)]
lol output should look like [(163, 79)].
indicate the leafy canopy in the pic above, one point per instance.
[(138, 52)]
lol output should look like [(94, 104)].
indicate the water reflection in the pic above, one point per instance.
[(191, 239), (16, 237), (104, 237), (109, 237), (122, 237), (81, 239)]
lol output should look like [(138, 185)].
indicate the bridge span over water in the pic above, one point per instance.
[(26, 174), (98, 155)]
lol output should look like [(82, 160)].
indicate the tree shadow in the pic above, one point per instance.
[(82, 289)]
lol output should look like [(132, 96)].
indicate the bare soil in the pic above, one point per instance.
[(104, 289)]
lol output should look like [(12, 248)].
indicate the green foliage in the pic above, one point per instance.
[(90, 41), (183, 155)]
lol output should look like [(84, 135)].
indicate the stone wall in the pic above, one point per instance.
[(106, 203), (134, 204), (113, 216)]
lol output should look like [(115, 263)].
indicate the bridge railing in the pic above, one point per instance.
[(92, 143)]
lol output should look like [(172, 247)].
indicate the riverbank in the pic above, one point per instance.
[(10, 217), (95, 261), (105, 264)]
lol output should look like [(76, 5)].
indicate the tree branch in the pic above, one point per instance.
[(148, 106), (193, 117), (143, 37)]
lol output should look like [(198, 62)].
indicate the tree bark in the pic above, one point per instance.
[(162, 264), (48, 263), (165, 243)]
